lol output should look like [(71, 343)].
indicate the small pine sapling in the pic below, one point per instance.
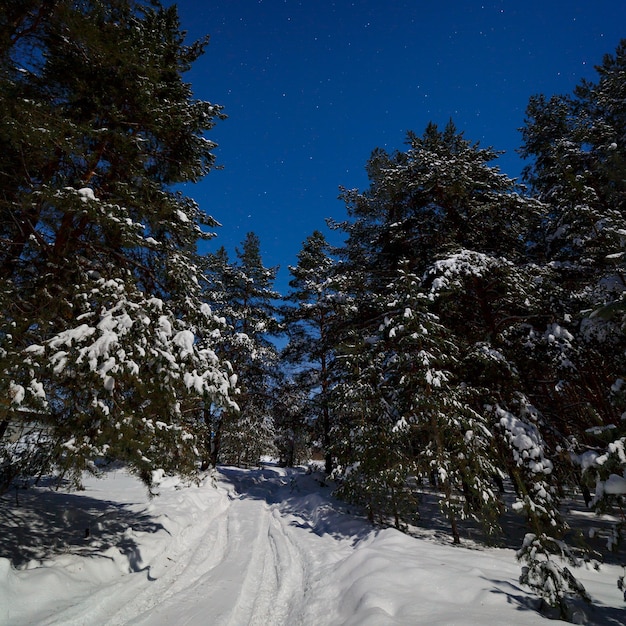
[(542, 570)]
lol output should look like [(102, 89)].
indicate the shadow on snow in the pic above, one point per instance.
[(45, 523), (302, 495)]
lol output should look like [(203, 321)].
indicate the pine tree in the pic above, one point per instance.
[(309, 322), (441, 233), (104, 341), (450, 440), (578, 165), (368, 440), (246, 301), (293, 421), (439, 196)]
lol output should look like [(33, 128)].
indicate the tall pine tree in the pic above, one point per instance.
[(309, 322), (437, 264), (577, 154), (246, 300), (100, 343)]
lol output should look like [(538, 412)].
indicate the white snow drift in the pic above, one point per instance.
[(266, 547)]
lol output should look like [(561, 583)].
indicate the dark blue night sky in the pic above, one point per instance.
[(312, 87)]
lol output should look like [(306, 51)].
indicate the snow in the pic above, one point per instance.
[(449, 271), (615, 485), (555, 331), (184, 340), (71, 336), (181, 216), (267, 546), (526, 442), (86, 194), (16, 393), (165, 326)]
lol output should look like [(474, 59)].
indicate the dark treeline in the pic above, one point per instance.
[(467, 338)]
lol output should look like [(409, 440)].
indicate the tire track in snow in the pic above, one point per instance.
[(254, 578), (219, 591), (235, 557), (196, 551), (195, 547), (267, 562), (274, 580), (290, 569), (263, 574)]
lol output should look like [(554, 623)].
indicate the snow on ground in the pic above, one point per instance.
[(266, 547)]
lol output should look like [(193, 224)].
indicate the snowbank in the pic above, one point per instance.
[(263, 547)]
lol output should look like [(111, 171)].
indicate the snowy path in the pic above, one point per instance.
[(265, 547)]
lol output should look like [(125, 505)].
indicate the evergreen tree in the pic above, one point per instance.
[(101, 346), (416, 419), (246, 301), (309, 322), (578, 165), (368, 440), (291, 410), (440, 233), (439, 196)]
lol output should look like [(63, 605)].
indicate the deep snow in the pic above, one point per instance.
[(267, 546)]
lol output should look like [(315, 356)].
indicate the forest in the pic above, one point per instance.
[(467, 338)]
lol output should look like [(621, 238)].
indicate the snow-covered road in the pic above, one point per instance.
[(267, 547)]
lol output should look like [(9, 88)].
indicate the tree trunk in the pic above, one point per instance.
[(328, 458), (216, 442), (453, 525)]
